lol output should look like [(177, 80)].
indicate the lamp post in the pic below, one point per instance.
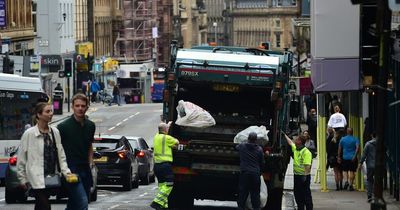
[(215, 24), (103, 59)]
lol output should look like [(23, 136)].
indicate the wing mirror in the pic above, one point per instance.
[(12, 153)]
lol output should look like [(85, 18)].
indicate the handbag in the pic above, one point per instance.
[(53, 180)]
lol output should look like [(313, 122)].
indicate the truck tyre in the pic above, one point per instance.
[(10, 197), (180, 199), (145, 180)]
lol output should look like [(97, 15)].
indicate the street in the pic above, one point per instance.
[(134, 120)]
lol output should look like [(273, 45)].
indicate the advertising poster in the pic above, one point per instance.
[(3, 22)]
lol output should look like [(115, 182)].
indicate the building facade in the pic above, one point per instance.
[(81, 21), (259, 21), (102, 16), (217, 23), (164, 22), (192, 18), (16, 27)]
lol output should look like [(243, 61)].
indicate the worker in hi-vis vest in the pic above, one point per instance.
[(163, 145)]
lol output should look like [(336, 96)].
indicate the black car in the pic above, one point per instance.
[(145, 157), (118, 163), (14, 193)]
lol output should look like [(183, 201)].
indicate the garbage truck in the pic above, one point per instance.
[(239, 87)]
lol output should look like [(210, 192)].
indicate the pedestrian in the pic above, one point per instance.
[(302, 160), (58, 87), (163, 145), (368, 155), (41, 154), (116, 96), (332, 154), (77, 133), (310, 144), (337, 121), (347, 157), (312, 125), (251, 161), (94, 88)]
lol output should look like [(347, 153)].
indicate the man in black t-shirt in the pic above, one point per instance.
[(77, 133)]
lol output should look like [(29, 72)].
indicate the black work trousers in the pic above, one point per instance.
[(302, 192), (249, 183)]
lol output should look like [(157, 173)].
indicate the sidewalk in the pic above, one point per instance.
[(333, 200)]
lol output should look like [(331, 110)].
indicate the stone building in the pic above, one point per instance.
[(256, 21), (17, 27), (190, 20)]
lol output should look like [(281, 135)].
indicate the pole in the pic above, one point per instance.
[(383, 21), (104, 82), (68, 94)]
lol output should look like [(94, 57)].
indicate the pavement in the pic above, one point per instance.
[(332, 199)]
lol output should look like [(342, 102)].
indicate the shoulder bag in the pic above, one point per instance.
[(53, 180)]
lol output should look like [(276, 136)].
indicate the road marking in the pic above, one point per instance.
[(154, 188), (143, 194), (126, 119), (2, 199), (115, 206), (118, 124), (112, 128)]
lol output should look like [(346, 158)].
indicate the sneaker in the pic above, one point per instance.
[(346, 185)]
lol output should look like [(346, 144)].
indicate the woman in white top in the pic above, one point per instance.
[(337, 121), (39, 157)]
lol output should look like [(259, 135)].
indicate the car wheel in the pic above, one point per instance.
[(10, 197), (136, 182), (152, 178), (93, 195), (145, 180), (127, 181)]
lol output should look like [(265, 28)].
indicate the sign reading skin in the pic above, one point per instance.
[(51, 60)]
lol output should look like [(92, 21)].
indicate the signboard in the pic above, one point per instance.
[(3, 20), (85, 49), (154, 32), (51, 60)]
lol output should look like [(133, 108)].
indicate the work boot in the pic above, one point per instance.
[(156, 206), (346, 185)]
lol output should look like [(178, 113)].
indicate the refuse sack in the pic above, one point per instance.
[(191, 115), (261, 131), (263, 195)]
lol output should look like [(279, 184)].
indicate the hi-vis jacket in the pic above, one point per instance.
[(163, 144)]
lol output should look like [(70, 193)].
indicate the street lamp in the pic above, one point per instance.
[(103, 59), (215, 24)]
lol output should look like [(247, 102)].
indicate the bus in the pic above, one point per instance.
[(157, 85), (18, 97)]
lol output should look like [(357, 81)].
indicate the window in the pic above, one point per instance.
[(278, 23), (278, 39)]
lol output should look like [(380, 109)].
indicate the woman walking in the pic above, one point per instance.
[(332, 150), (41, 155)]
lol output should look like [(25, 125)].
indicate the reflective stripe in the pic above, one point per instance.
[(162, 155), (163, 146)]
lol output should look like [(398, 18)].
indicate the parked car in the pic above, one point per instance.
[(118, 163), (14, 193), (145, 158)]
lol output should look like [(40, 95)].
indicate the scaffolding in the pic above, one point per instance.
[(134, 42)]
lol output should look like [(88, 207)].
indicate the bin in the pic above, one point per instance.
[(58, 102)]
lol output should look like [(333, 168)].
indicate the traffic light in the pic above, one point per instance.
[(8, 65), (68, 67)]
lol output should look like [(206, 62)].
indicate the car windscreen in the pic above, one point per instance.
[(134, 144), (106, 144)]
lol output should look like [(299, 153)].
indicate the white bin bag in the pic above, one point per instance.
[(261, 131), (263, 195), (191, 115)]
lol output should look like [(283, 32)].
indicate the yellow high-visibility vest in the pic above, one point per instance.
[(163, 147)]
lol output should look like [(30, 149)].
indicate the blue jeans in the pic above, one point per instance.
[(79, 192)]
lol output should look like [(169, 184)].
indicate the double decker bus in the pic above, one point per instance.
[(18, 97)]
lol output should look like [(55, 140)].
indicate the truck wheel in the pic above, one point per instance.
[(180, 199), (93, 195)]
